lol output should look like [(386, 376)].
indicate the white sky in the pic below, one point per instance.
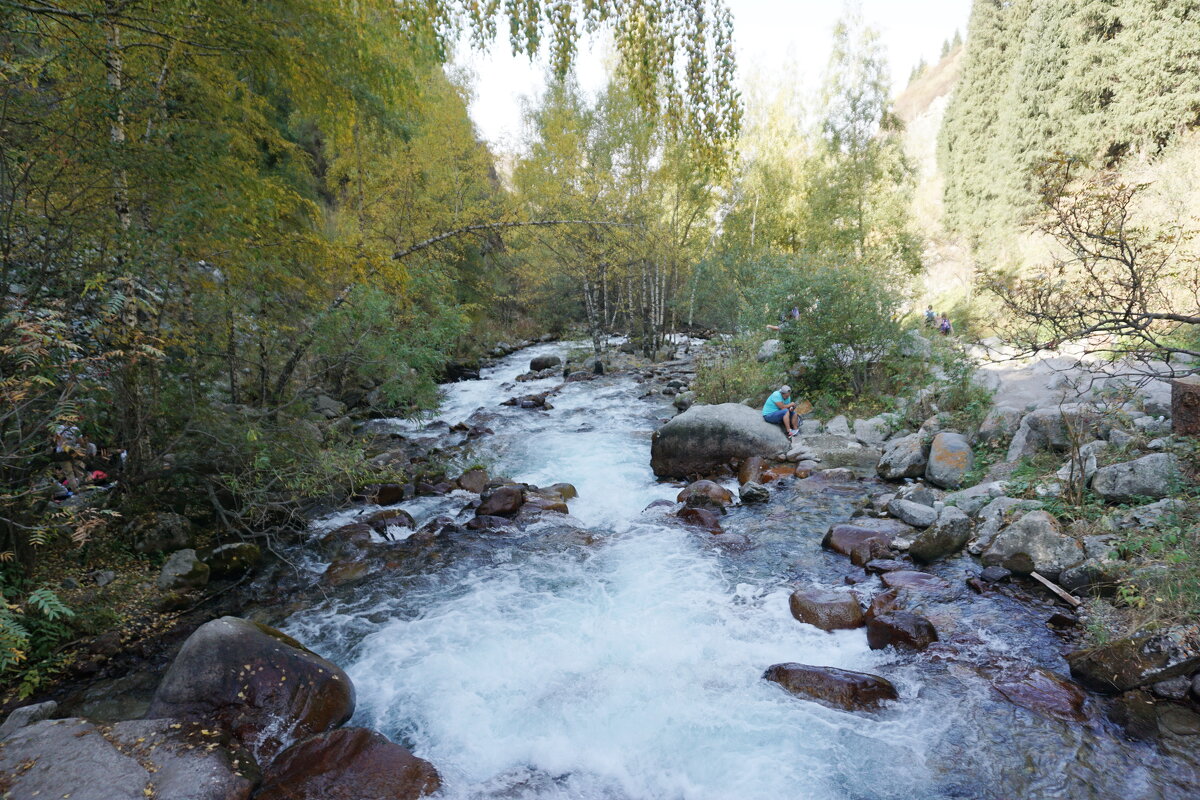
[(771, 36)]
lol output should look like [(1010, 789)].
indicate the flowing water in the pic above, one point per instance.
[(625, 661)]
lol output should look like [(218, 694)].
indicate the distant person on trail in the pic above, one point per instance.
[(779, 409), (944, 325), (786, 319), (930, 316)]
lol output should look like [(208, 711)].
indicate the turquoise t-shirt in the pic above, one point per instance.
[(770, 406)]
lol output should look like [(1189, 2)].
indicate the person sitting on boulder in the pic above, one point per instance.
[(779, 408)]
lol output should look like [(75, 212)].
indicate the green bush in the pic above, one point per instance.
[(731, 373)]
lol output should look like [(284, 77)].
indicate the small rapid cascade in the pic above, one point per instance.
[(628, 666)]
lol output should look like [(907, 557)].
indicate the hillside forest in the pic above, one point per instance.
[(230, 232)]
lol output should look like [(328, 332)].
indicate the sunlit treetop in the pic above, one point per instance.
[(676, 56)]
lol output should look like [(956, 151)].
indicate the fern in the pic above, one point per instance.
[(48, 604)]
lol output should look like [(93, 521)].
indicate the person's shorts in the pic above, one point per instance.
[(776, 416)]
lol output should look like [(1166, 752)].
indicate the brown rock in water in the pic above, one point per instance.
[(384, 494), (777, 472), (836, 688), (901, 629), (1138, 660), (879, 566), (750, 470), (566, 491), (262, 685), (882, 603), (1039, 691), (828, 611), (473, 480), (346, 541), (488, 523), (535, 503), (348, 764), (503, 501), (1137, 713), (705, 494), (860, 543), (380, 521), (703, 518), (917, 581)]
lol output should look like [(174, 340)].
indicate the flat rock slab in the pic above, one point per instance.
[(1039, 691), (832, 687), (132, 760), (914, 581)]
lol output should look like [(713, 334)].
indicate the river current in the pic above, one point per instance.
[(626, 664)]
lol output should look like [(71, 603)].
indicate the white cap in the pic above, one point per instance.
[(787, 389)]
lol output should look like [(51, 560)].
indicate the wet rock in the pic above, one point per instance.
[(565, 491), (995, 574), (828, 611), (944, 537), (262, 685), (704, 438), (1149, 476), (380, 521), (130, 760), (703, 518), (1137, 713), (683, 401), (915, 514), (860, 543), (183, 570), (1178, 720), (348, 764), (950, 458), (777, 472), (754, 493), (489, 523), (705, 494), (161, 532), (1034, 542), (883, 603), (348, 541), (1039, 691), (539, 363), (502, 501), (750, 470), (474, 480), (878, 566), (535, 504), (900, 629), (916, 581), (836, 688), (1173, 688), (384, 494), (236, 558), (732, 542), (27, 715), (1138, 661)]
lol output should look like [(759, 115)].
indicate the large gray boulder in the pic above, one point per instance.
[(1034, 543), (769, 349), (183, 570), (950, 458), (262, 685), (972, 500), (911, 513), (703, 438), (27, 715), (1000, 422), (1053, 428), (995, 516), (161, 532), (903, 458), (131, 760), (1149, 476), (874, 432), (944, 537)]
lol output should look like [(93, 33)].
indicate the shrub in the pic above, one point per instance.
[(731, 373)]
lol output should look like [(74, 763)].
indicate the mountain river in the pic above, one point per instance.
[(620, 657)]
